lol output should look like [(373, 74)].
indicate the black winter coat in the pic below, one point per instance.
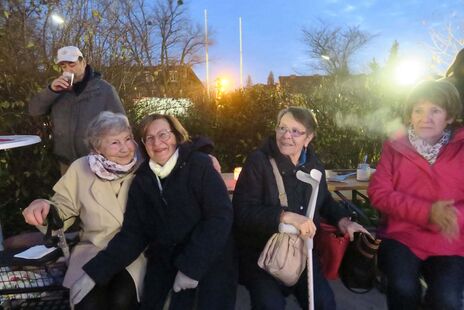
[(186, 226), (256, 199)]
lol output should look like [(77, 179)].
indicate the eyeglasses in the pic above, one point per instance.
[(295, 133), (163, 136)]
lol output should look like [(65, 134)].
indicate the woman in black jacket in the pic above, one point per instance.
[(455, 75), (179, 210), (258, 211)]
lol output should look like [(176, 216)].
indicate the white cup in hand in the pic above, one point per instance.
[(69, 76)]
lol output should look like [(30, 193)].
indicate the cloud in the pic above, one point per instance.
[(349, 8)]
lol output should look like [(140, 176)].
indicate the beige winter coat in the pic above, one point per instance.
[(100, 205)]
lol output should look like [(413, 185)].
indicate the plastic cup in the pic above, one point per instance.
[(363, 172), (69, 76)]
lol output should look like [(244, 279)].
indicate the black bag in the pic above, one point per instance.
[(359, 265)]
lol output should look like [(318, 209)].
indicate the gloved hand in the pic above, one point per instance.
[(182, 282), (81, 288)]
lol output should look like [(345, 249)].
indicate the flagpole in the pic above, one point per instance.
[(206, 53), (241, 52)]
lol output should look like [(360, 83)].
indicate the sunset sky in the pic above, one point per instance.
[(272, 35)]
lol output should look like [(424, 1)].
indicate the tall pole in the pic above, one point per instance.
[(206, 53), (241, 51)]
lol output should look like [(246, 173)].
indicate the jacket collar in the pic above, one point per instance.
[(89, 74), (404, 147)]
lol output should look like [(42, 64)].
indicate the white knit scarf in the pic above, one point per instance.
[(109, 170), (426, 150), (163, 171)]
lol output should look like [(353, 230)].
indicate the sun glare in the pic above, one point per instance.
[(409, 72)]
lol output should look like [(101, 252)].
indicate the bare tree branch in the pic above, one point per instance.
[(333, 47)]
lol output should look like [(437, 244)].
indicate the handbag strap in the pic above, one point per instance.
[(280, 183)]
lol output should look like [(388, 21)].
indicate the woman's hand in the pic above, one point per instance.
[(346, 226), (302, 223), (444, 215), (37, 211)]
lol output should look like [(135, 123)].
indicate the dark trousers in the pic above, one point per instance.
[(268, 293), (444, 276), (216, 290), (118, 294)]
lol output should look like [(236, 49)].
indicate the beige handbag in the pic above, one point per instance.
[(284, 256)]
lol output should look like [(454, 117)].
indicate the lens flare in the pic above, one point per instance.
[(409, 72)]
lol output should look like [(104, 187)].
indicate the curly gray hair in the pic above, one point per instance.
[(105, 123)]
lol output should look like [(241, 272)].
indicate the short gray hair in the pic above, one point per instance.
[(302, 115), (105, 123)]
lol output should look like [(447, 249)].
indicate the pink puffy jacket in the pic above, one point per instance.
[(404, 187)]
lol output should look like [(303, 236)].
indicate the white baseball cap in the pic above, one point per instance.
[(68, 53)]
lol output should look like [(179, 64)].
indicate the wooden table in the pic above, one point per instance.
[(349, 184), (355, 186)]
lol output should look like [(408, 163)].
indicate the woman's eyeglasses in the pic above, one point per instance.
[(163, 136), (295, 133)]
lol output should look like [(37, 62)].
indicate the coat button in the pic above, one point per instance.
[(301, 207)]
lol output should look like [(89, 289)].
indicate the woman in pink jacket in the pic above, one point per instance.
[(419, 189)]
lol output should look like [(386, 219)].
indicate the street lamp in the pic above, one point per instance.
[(221, 86), (57, 19)]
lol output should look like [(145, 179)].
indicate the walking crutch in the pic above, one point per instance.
[(313, 178)]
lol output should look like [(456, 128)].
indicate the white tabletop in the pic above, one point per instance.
[(9, 142)]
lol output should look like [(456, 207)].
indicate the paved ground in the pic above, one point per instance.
[(374, 300)]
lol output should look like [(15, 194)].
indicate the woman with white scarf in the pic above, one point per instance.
[(179, 210), (94, 190)]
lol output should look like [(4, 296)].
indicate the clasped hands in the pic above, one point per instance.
[(444, 215)]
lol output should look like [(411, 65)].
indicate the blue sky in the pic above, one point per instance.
[(272, 36)]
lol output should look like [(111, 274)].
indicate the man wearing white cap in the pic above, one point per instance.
[(73, 100)]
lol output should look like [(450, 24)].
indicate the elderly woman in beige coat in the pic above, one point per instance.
[(94, 189)]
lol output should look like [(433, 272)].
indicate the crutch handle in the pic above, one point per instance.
[(289, 229)]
